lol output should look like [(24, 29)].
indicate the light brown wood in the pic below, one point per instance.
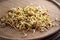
[(10, 33), (55, 2)]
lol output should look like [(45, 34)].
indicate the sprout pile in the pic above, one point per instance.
[(27, 19)]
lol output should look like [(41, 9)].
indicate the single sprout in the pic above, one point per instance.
[(57, 19), (33, 30), (25, 34)]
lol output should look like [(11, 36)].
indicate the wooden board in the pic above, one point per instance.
[(9, 33)]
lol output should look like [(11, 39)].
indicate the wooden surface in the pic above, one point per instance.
[(5, 5)]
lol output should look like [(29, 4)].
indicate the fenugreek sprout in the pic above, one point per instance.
[(27, 19)]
